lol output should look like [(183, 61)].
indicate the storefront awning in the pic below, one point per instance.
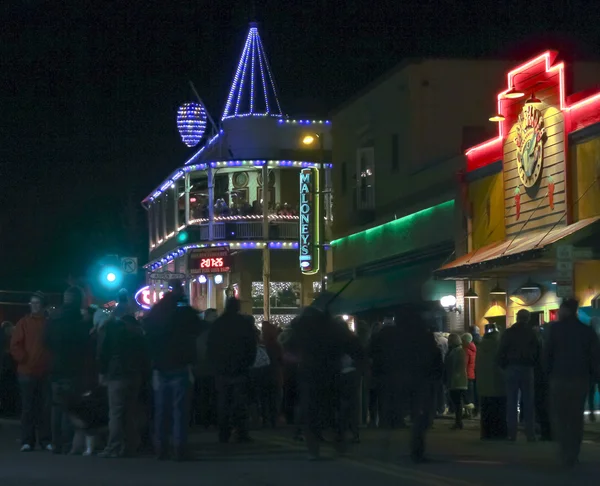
[(525, 252), (396, 286)]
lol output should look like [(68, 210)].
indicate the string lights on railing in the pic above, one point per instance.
[(249, 217), (289, 121)]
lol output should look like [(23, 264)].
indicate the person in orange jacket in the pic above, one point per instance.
[(28, 349)]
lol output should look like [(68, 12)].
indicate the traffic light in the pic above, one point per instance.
[(182, 237), (111, 276)]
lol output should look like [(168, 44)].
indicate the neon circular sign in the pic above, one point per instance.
[(146, 297)]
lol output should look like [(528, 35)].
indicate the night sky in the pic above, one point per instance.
[(90, 92)]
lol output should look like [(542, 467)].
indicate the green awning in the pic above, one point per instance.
[(397, 286)]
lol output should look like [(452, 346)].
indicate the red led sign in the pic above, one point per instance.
[(209, 260), (212, 262)]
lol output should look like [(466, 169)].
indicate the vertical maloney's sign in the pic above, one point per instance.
[(309, 217)]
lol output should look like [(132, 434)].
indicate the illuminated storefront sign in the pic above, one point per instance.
[(146, 297), (309, 215), (209, 260), (530, 140)]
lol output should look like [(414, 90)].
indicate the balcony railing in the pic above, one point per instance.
[(231, 230)]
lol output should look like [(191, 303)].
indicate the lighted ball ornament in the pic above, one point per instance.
[(191, 123)]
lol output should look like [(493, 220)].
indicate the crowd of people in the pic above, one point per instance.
[(147, 380)]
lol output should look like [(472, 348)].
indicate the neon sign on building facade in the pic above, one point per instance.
[(146, 297), (309, 216)]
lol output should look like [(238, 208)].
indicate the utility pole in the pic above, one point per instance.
[(266, 252), (211, 300), (323, 190)]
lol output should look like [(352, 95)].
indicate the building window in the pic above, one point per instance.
[(365, 178), (281, 295), (395, 153), (344, 178)]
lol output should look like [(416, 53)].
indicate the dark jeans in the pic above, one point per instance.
[(205, 401), (36, 410), (520, 379), (393, 401), (592, 396), (232, 392), (349, 397), (171, 396), (493, 417), (318, 398), (458, 397), (374, 405), (542, 410), (419, 395), (568, 404), (265, 393), (63, 390), (123, 396)]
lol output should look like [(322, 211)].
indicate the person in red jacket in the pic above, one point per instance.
[(470, 355), (28, 349)]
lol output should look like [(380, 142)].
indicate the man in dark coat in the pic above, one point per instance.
[(387, 374), (572, 359), (231, 348), (172, 327), (67, 339), (122, 364), (421, 366), (320, 342), (518, 356)]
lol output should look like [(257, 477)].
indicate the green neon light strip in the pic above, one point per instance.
[(397, 224)]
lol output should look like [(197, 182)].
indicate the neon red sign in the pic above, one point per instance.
[(579, 110)]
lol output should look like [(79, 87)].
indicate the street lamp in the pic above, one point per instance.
[(309, 139)]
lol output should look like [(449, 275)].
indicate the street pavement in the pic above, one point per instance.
[(274, 459)]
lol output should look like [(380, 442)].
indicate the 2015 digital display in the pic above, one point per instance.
[(209, 260), (212, 263)]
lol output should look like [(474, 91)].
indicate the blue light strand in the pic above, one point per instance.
[(238, 245), (237, 163), (240, 91), (191, 123), (207, 145), (252, 74), (262, 75), (238, 72), (270, 74)]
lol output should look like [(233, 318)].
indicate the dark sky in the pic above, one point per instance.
[(90, 92)]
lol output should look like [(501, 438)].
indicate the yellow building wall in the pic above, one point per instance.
[(487, 202), (587, 281), (584, 175)]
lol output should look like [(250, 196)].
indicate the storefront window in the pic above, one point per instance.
[(281, 294)]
